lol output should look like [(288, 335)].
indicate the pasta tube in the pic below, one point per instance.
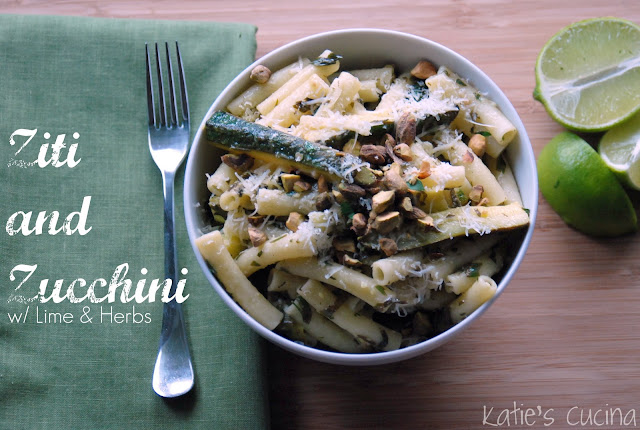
[(268, 104), (480, 292), (256, 93), (460, 281), (285, 247), (322, 328), (391, 269), (476, 171), (212, 248), (360, 285), (280, 203), (288, 110), (281, 281), (362, 328)]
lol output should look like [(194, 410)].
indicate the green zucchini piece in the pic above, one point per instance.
[(450, 223), (377, 130), (237, 135), (430, 123), (425, 125)]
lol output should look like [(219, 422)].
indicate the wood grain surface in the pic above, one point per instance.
[(561, 344)]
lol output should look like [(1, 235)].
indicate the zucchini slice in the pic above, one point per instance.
[(273, 146), (450, 223)]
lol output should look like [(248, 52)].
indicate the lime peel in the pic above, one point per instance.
[(579, 186)]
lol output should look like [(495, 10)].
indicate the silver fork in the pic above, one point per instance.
[(168, 143)]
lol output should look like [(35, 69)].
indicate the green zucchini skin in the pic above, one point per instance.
[(237, 135), (429, 124)]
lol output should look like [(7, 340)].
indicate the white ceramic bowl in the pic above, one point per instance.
[(360, 48)]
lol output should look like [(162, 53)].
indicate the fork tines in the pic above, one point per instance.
[(162, 120)]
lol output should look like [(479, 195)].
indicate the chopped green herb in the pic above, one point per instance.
[(278, 238), (463, 198), (347, 209), (332, 58), (419, 89), (526, 210), (460, 82), (473, 270), (260, 253), (255, 264), (380, 288), (478, 96), (484, 133), (458, 198), (417, 186)]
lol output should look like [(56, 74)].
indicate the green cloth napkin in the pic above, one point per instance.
[(66, 75)]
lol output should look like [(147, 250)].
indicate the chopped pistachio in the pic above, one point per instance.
[(423, 70), (359, 224), (344, 244), (338, 196), (387, 139), (351, 191), (389, 143), (393, 179), (288, 180), (406, 128), (260, 74), (417, 213), (388, 246), (374, 189), (365, 177), (426, 222), (386, 222), (238, 162), (374, 154), (257, 236), (294, 221), (475, 195), (301, 186), (478, 144), (323, 185), (468, 157), (406, 205), (324, 201), (347, 260), (403, 151), (382, 200)]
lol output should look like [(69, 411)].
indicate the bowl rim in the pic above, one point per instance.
[(378, 357)]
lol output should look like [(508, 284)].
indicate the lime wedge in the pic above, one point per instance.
[(620, 150), (588, 74), (577, 184)]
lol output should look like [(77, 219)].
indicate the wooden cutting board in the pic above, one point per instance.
[(560, 346)]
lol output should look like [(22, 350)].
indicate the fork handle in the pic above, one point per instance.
[(173, 352), (170, 251)]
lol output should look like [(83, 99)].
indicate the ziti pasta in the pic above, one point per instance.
[(360, 210)]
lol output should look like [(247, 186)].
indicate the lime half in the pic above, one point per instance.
[(577, 184), (620, 150), (588, 74)]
